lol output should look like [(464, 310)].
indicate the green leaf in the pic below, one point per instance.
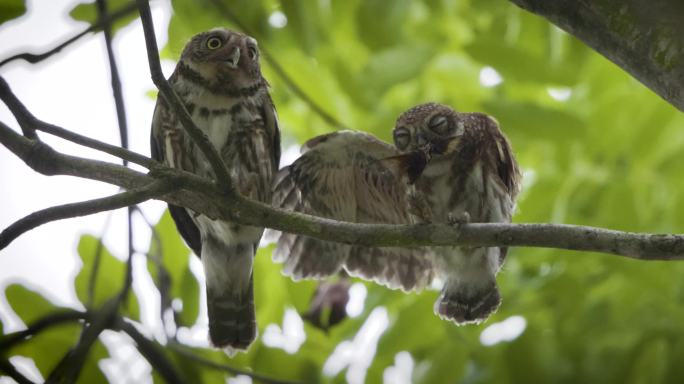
[(392, 66), (175, 258), (49, 346), (273, 292), (11, 9), (88, 12), (377, 21), (650, 364), (109, 279)]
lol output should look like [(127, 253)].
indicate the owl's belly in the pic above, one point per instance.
[(475, 194)]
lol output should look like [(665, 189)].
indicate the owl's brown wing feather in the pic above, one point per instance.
[(186, 227), (341, 176), (501, 158)]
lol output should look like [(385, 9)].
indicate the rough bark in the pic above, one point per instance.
[(643, 37)]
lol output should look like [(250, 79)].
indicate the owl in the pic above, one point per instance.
[(445, 167), (218, 78)]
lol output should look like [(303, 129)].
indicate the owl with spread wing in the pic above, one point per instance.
[(219, 80), (445, 167)]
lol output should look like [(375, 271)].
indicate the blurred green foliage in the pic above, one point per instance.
[(11, 9), (596, 146), (49, 346)]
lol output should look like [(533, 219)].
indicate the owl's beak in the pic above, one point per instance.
[(443, 146), (234, 58)]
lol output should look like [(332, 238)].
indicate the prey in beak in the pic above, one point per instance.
[(234, 58), (411, 165)]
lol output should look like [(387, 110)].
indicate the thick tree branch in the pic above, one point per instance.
[(204, 197), (38, 57), (641, 36), (67, 211), (198, 137), (45, 160)]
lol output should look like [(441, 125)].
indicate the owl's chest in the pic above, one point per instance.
[(448, 192)]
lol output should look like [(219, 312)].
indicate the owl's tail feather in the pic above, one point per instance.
[(464, 306), (232, 321), (230, 294)]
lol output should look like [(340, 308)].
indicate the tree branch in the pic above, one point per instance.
[(30, 123), (204, 197), (8, 368), (223, 179), (68, 369), (56, 318), (19, 110), (117, 93), (152, 352), (187, 353), (149, 349), (66, 211), (38, 57), (641, 36)]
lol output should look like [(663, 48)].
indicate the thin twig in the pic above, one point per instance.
[(163, 278), (117, 92), (223, 179), (68, 369), (52, 319), (83, 208), (187, 353), (22, 114), (85, 141), (28, 122), (279, 70), (38, 57), (8, 368), (152, 352), (123, 134), (97, 260)]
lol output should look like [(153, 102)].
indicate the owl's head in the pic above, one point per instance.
[(223, 54), (431, 128)]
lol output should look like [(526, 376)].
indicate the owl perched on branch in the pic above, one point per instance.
[(444, 167), (219, 80)]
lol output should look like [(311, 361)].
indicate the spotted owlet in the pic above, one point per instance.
[(444, 167), (219, 80)]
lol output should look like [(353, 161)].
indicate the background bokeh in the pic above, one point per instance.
[(596, 147)]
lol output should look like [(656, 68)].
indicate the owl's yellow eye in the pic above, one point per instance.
[(214, 43)]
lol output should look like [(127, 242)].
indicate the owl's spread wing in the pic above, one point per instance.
[(341, 176), (186, 227)]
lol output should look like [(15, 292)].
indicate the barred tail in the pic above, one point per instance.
[(232, 321), (470, 294), (463, 306), (230, 293)]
